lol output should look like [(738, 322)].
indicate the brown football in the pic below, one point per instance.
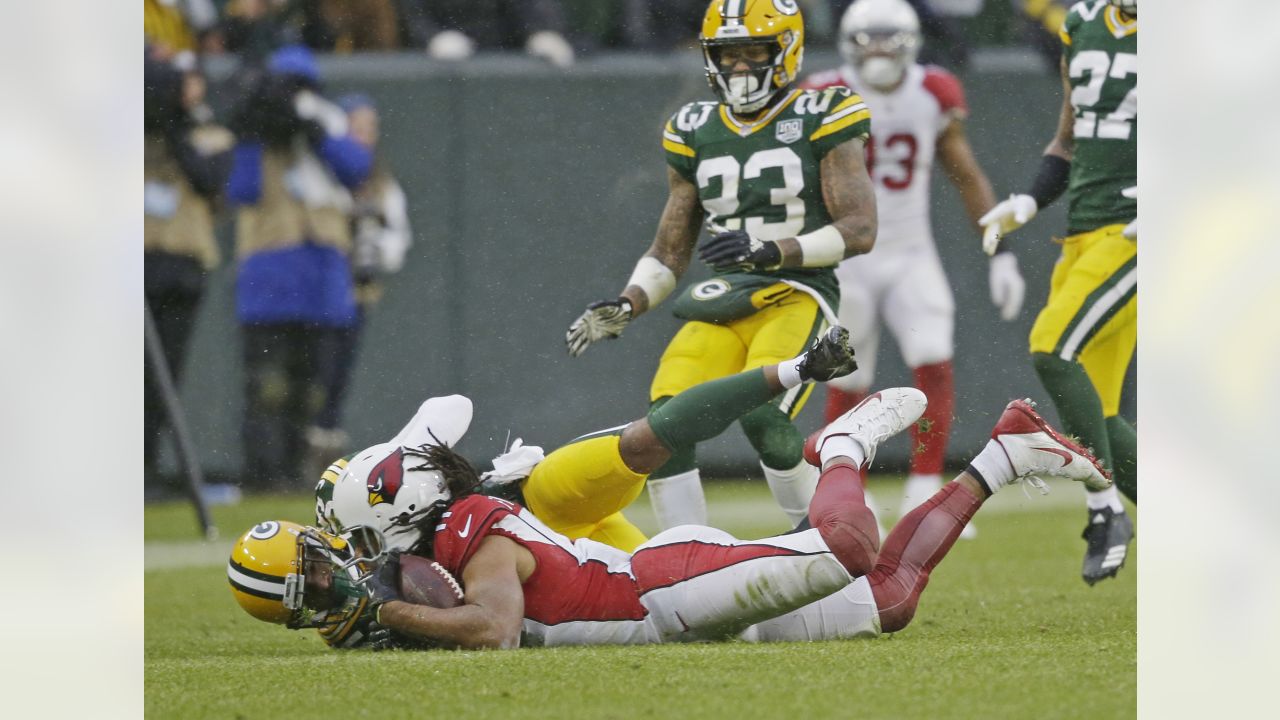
[(425, 582)]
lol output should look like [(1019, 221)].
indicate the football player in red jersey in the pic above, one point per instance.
[(919, 112), (528, 585)]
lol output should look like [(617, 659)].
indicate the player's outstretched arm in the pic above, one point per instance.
[(655, 274), (493, 610), (850, 198)]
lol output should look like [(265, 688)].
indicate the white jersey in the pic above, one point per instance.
[(905, 125)]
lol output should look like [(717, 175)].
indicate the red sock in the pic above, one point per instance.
[(840, 402), (914, 547), (929, 435), (839, 511)]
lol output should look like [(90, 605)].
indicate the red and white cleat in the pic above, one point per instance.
[(880, 416), (1037, 451)]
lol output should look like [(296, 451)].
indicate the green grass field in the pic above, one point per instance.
[(1006, 629)]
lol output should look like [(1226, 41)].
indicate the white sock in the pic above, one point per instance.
[(789, 372), (1104, 499), (792, 489), (678, 500), (917, 489), (993, 466), (838, 445)]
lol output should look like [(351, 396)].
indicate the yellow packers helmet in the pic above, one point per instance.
[(282, 572), (775, 24)]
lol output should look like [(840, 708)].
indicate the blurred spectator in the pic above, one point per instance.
[(344, 26), (455, 29), (294, 168), (381, 236), (1041, 20), (940, 23), (185, 163), (173, 26), (255, 28)]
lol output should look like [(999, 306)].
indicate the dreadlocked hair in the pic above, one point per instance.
[(459, 476)]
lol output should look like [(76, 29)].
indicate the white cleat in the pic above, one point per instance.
[(1037, 451), (879, 417)]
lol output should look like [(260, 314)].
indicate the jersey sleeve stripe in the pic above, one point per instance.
[(847, 102), (677, 148), (843, 123), (838, 113), (673, 138), (1062, 34)]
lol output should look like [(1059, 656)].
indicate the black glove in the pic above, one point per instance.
[(601, 320), (737, 250), (384, 584)]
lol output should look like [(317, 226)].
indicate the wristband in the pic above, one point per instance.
[(822, 247), (1052, 178), (655, 279)]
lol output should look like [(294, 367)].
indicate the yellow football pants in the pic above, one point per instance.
[(1092, 313), (580, 489), (703, 351)]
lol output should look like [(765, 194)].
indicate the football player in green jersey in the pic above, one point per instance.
[(777, 174), (1084, 338)]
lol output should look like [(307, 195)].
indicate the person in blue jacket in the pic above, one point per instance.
[(294, 167)]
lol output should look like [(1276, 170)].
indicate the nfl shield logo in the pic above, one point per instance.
[(790, 131)]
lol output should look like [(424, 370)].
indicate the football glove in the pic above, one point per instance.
[(1004, 218), (601, 320), (383, 584), (1131, 230), (738, 250), (1007, 286)]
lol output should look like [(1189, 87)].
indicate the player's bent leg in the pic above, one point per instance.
[(779, 446), (616, 530), (580, 484)]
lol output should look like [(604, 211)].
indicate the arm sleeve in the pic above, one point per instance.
[(847, 118), (349, 160), (244, 183)]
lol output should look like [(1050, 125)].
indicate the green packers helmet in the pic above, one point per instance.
[(774, 25), (282, 572)]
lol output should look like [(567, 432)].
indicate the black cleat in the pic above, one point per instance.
[(1107, 534), (829, 357)]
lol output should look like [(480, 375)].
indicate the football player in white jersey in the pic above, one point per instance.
[(919, 114)]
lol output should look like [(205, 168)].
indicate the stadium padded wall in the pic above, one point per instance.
[(532, 192)]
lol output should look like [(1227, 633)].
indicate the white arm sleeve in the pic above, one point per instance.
[(822, 247), (654, 278)]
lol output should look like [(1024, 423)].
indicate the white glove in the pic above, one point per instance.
[(1007, 286), (310, 106), (1131, 230), (1004, 218), (451, 45), (550, 46), (601, 320), (514, 464)]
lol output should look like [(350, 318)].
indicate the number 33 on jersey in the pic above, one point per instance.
[(763, 176)]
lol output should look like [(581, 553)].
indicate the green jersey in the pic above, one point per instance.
[(1101, 53), (763, 176)]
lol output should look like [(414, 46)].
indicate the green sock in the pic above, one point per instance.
[(704, 411), (775, 439), (1079, 407), (1124, 448)]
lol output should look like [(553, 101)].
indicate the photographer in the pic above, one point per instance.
[(381, 237), (294, 169), (185, 164)]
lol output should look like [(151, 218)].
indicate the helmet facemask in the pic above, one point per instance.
[(747, 72), (881, 56), (327, 581)]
